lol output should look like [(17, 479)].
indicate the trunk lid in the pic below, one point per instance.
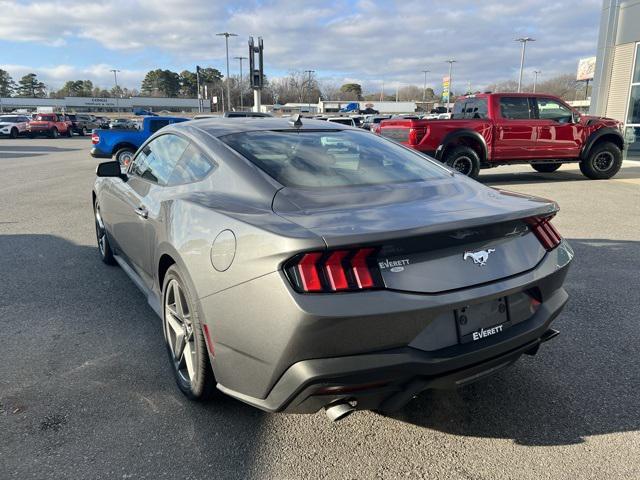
[(423, 230)]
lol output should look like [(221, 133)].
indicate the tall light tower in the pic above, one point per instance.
[(451, 61), (523, 41), (241, 81), (115, 79), (424, 89), (535, 79), (226, 36), (310, 72)]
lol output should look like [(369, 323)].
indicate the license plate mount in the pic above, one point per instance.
[(482, 320)]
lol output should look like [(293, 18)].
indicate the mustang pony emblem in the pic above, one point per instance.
[(479, 257)]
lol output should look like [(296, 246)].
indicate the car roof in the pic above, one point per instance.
[(218, 127)]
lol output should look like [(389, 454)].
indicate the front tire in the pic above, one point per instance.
[(124, 156), (14, 133), (54, 133), (603, 162), (464, 160), (104, 248), (83, 132), (545, 167), (184, 338)]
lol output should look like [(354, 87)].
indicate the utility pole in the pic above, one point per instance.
[(241, 81), (451, 61), (535, 79), (523, 41), (424, 89), (310, 72), (198, 87), (226, 36), (382, 92), (115, 78)]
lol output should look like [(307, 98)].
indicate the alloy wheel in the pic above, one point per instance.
[(179, 331), (100, 232), (603, 161), (463, 165)]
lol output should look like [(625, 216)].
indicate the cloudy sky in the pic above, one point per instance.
[(366, 41)]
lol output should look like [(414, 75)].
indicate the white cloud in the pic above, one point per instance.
[(370, 40)]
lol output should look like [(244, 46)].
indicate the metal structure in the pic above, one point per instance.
[(424, 89), (226, 36), (256, 77), (115, 78), (198, 87), (535, 79), (241, 83), (523, 41), (451, 61)]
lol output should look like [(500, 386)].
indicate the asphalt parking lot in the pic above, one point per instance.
[(86, 390)]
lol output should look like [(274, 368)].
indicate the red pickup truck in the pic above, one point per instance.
[(491, 129), (50, 124)]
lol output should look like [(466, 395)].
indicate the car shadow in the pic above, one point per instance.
[(36, 148), (522, 178), (585, 382), (85, 375)]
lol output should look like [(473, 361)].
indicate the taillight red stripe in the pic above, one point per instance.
[(360, 268), (308, 272), (545, 231), (335, 273)]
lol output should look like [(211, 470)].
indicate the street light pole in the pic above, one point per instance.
[(451, 61), (115, 78), (535, 79), (226, 36), (241, 84), (523, 41), (424, 89), (310, 72)]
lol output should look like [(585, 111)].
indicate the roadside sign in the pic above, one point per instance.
[(586, 69), (446, 81)]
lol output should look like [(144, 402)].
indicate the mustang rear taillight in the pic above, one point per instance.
[(95, 138), (545, 231), (344, 270)]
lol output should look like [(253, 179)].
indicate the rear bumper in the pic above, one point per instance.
[(389, 379), (97, 153)]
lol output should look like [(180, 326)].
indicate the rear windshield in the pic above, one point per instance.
[(332, 158)]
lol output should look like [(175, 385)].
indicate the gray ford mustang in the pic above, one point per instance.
[(300, 265)]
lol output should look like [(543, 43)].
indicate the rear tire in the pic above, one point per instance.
[(545, 167), (464, 160), (124, 156), (184, 338), (603, 162), (14, 133)]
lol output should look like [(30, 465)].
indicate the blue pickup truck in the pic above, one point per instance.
[(123, 143)]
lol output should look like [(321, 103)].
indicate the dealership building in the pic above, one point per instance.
[(616, 91), (88, 104)]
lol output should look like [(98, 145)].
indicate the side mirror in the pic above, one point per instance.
[(110, 169), (575, 118)]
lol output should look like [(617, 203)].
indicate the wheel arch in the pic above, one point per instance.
[(605, 134), (120, 145), (467, 138)]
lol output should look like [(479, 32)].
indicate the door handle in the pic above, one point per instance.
[(142, 212)]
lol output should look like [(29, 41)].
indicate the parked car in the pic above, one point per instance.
[(13, 125), (295, 276), (371, 120), (121, 143), (246, 115), (103, 122), (83, 123), (487, 130), (123, 124), (342, 121), (50, 124)]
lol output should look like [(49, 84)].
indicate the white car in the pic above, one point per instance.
[(342, 121), (13, 125)]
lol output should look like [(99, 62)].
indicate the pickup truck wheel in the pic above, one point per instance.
[(53, 133), (545, 167), (464, 160), (124, 156), (14, 133), (604, 161)]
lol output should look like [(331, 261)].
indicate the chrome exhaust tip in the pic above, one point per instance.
[(338, 411)]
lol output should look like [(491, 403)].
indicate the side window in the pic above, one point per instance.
[(549, 109), (515, 108), (157, 125), (158, 158), (193, 166)]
